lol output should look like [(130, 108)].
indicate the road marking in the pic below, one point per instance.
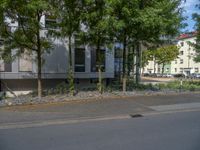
[(170, 112), (176, 107), (22, 125)]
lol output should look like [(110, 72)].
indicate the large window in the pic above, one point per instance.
[(118, 53), (79, 60), (182, 44), (94, 63), (181, 61), (2, 67), (5, 67), (25, 62), (118, 60), (181, 70), (1, 42), (6, 64), (181, 52), (196, 70), (50, 22)]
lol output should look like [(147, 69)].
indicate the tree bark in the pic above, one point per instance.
[(129, 59), (163, 67), (154, 65), (39, 74), (100, 86), (39, 62), (124, 65), (138, 62), (71, 72), (133, 67)]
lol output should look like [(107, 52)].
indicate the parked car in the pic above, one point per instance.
[(167, 75), (179, 75), (146, 75), (195, 75), (149, 75), (154, 75), (198, 75), (158, 75)]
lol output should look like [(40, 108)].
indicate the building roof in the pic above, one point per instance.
[(187, 35)]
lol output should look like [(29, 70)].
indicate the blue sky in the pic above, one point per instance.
[(189, 7)]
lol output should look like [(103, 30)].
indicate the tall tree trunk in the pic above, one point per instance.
[(129, 59), (39, 74), (39, 61), (124, 65), (71, 71), (99, 60), (138, 62), (154, 65), (0, 86), (133, 67), (163, 67)]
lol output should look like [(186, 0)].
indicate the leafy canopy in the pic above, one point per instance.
[(196, 17), (21, 25)]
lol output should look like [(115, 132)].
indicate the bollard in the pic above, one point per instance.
[(181, 84)]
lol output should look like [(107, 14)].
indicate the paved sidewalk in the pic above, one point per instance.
[(97, 108)]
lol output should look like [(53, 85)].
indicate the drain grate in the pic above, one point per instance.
[(136, 115)]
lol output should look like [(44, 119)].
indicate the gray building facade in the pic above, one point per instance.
[(21, 74)]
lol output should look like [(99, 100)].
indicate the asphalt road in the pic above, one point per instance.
[(174, 131), (95, 108)]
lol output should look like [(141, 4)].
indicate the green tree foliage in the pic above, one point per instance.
[(165, 55), (147, 55), (141, 21), (69, 13), (26, 34), (156, 19), (196, 17), (124, 13), (131, 22), (96, 20)]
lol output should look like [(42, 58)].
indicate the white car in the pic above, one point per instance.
[(167, 75), (197, 76), (194, 75)]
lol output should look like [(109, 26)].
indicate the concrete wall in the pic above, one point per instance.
[(56, 62), (28, 84), (55, 66)]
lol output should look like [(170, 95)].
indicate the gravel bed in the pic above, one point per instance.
[(82, 95)]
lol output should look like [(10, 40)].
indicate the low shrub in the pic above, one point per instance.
[(176, 85)]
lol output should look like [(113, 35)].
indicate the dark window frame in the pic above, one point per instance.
[(182, 44), (94, 65), (181, 61), (51, 22), (181, 52), (79, 67)]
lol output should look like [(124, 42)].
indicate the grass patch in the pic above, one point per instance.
[(176, 85)]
